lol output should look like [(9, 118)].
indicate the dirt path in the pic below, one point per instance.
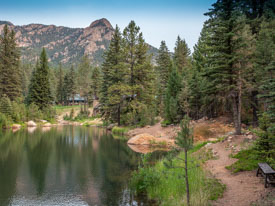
[(242, 188)]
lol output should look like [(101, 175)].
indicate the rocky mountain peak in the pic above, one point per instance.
[(101, 22)]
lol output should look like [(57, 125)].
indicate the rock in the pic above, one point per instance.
[(249, 137), (43, 121), (16, 126), (31, 124), (47, 125), (141, 139), (212, 139)]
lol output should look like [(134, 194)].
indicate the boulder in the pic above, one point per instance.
[(31, 124), (44, 121), (212, 139), (141, 139), (47, 124), (16, 126)]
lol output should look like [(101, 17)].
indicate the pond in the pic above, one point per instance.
[(67, 165)]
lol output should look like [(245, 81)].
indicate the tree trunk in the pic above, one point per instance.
[(235, 108), (255, 105), (186, 179)]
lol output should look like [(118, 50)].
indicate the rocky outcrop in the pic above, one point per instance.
[(63, 44)]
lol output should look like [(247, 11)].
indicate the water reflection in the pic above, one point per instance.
[(65, 166)]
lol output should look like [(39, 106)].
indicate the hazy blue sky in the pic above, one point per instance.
[(158, 19)]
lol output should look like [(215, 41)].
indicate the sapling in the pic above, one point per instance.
[(184, 141)]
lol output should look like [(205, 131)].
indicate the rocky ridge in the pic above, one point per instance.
[(63, 44)]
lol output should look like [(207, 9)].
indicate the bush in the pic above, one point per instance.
[(248, 160), (145, 177), (4, 121), (33, 112), (119, 130)]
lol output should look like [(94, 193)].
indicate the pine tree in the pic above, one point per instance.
[(114, 84), (172, 105), (39, 90), (70, 85), (164, 66), (10, 78), (223, 73), (181, 55), (95, 82), (142, 100), (84, 78), (60, 86)]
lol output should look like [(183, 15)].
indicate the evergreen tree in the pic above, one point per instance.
[(114, 84), (223, 73), (60, 86), (142, 98), (181, 55), (39, 90), (95, 82), (70, 85), (172, 104), (164, 66), (10, 78), (84, 78)]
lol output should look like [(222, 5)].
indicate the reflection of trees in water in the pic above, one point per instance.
[(85, 161), (10, 159), (101, 164), (38, 148)]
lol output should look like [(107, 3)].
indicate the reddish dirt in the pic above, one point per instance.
[(242, 188)]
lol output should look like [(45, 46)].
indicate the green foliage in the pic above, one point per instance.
[(39, 89), (10, 78), (120, 130), (265, 144), (5, 106), (167, 186), (172, 107), (127, 92), (164, 67), (247, 161), (5, 121), (145, 177)]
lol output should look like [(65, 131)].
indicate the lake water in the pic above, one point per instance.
[(67, 165)]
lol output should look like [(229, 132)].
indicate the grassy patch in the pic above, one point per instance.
[(120, 130), (167, 186), (247, 161)]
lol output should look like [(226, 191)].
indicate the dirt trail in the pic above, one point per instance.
[(242, 188)]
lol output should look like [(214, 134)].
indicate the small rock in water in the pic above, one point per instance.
[(31, 124)]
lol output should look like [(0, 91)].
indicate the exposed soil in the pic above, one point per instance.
[(242, 188)]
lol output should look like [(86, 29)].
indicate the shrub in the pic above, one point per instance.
[(33, 112), (4, 121), (120, 130)]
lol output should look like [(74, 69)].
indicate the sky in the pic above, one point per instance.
[(158, 19)]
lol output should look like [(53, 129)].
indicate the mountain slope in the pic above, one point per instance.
[(63, 44)]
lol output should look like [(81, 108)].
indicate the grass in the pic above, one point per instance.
[(167, 186), (247, 161), (120, 130), (60, 109)]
